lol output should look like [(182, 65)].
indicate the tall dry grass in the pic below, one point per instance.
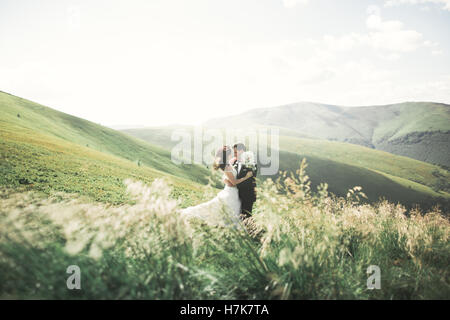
[(299, 244)]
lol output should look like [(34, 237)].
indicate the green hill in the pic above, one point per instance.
[(137, 245), (344, 165), (420, 130), (376, 160), (377, 185), (48, 150)]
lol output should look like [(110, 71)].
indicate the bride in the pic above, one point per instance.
[(227, 201)]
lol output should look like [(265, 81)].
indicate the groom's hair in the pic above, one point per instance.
[(240, 146)]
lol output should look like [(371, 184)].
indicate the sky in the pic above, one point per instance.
[(160, 62)]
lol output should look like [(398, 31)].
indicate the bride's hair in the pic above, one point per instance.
[(222, 155)]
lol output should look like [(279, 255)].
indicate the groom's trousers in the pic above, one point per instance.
[(246, 209)]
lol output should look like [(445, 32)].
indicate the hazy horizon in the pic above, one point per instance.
[(125, 126), (161, 63)]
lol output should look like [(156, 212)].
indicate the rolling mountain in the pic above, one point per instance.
[(419, 130), (47, 150), (344, 165)]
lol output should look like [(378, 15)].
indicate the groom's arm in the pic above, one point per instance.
[(246, 169)]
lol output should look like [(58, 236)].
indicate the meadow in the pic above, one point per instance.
[(299, 244), (75, 193), (342, 165)]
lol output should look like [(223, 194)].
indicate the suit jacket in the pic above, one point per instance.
[(246, 188)]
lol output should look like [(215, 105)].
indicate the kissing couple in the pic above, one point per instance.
[(238, 196)]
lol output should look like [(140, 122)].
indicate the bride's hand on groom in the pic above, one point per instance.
[(249, 174)]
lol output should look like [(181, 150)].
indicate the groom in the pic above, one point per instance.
[(247, 192)]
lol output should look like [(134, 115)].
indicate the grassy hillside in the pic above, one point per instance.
[(404, 118), (344, 165), (134, 242), (377, 185), (298, 245), (19, 114), (46, 150), (158, 136), (380, 127), (161, 136), (371, 123), (402, 167), (422, 146)]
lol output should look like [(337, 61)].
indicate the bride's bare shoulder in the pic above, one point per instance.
[(228, 168)]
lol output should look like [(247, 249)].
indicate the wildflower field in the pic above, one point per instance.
[(299, 244), (73, 192)]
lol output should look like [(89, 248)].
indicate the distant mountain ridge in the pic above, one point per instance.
[(420, 130), (47, 150)]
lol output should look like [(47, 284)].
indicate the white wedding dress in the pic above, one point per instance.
[(224, 209)]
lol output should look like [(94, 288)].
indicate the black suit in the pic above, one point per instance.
[(246, 189)]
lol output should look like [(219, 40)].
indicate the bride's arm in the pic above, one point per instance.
[(234, 181), (228, 183)]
